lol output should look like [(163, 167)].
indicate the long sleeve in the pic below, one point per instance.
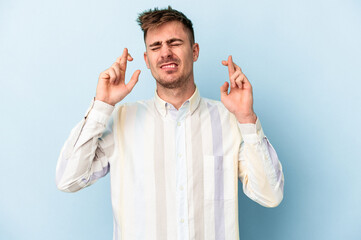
[(259, 169), (84, 156)]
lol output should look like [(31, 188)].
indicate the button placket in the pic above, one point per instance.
[(182, 176)]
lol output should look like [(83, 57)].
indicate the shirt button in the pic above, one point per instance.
[(178, 124), (182, 220), (179, 155), (181, 188)]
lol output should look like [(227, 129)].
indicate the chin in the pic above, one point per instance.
[(171, 83)]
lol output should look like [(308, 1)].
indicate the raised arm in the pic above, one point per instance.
[(111, 85), (84, 157), (259, 168)]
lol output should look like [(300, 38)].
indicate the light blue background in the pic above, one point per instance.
[(302, 57)]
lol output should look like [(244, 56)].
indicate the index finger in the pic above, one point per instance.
[(231, 69)]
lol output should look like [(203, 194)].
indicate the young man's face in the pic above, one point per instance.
[(170, 55)]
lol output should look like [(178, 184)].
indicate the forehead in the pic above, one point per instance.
[(167, 31)]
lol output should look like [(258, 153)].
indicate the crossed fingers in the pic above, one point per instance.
[(236, 76), (116, 72)]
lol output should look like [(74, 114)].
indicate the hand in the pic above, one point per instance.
[(111, 85), (239, 100)]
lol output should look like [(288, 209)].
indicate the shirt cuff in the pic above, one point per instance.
[(99, 111), (251, 133)]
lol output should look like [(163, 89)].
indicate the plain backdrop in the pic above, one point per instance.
[(303, 59)]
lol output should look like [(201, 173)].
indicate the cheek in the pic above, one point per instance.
[(151, 62), (151, 58)]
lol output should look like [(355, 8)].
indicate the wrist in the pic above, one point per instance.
[(104, 100), (246, 118)]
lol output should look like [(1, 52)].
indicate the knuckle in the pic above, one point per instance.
[(116, 69), (104, 74)]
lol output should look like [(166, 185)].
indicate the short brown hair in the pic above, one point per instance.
[(156, 17)]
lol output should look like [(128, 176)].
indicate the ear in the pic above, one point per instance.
[(195, 51), (146, 59)]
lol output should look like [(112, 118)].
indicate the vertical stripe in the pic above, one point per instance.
[(218, 171), (170, 176), (181, 178), (198, 185), (190, 178), (160, 180), (232, 140), (117, 175), (138, 153), (208, 172), (129, 183), (148, 171)]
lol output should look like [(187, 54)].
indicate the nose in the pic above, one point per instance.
[(166, 52)]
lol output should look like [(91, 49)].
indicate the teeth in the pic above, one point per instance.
[(169, 66)]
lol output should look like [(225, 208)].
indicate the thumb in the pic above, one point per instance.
[(224, 89), (133, 80)]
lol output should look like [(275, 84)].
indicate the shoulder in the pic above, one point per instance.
[(141, 105)]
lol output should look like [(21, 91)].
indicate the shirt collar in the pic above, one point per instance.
[(162, 106)]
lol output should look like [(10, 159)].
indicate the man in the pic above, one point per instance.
[(174, 160)]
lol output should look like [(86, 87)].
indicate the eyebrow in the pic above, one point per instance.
[(174, 40), (170, 41), (155, 44)]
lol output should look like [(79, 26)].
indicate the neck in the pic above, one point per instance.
[(176, 96)]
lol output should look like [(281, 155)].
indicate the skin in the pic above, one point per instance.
[(111, 86), (166, 45), (239, 100), (170, 56)]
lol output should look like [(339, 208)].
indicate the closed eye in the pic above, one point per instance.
[(175, 44)]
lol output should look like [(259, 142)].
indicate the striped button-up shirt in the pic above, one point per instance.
[(174, 173)]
